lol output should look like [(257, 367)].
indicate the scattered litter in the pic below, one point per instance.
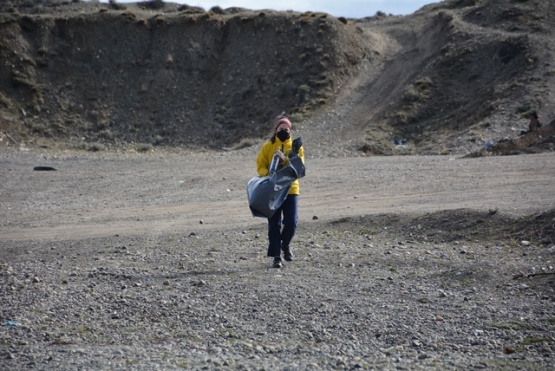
[(44, 168), (12, 323), (489, 144)]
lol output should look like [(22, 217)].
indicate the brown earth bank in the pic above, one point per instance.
[(449, 78), (120, 260)]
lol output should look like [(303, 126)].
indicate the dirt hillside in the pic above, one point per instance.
[(446, 79)]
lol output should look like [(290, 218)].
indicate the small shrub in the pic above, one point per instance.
[(190, 9), (97, 147), (39, 128), (106, 134), (153, 4), (144, 147), (5, 102), (424, 83), (411, 94), (402, 117), (18, 80), (129, 15), (217, 10), (419, 91), (116, 6)]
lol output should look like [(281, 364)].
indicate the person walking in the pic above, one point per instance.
[(283, 224)]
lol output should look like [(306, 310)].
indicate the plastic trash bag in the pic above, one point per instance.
[(266, 194)]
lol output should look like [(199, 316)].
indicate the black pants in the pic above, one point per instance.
[(282, 225)]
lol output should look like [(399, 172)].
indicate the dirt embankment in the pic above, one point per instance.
[(447, 79), (204, 79), (540, 140)]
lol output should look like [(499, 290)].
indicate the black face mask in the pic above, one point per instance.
[(283, 135)]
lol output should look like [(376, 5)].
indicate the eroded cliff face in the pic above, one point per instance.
[(193, 78), (446, 79)]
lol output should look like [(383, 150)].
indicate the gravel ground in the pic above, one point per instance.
[(152, 261)]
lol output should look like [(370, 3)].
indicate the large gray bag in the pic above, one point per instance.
[(266, 194)]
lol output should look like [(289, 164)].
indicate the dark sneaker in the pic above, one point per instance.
[(287, 254), (277, 262)]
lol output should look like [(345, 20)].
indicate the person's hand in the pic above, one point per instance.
[(280, 155)]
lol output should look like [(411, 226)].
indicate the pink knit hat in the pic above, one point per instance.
[(282, 121)]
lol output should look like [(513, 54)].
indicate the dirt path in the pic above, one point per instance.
[(104, 196)]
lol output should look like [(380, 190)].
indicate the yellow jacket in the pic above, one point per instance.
[(266, 155)]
